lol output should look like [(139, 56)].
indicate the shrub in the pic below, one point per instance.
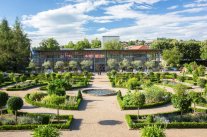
[(46, 131), (133, 83), (37, 96), (79, 94), (155, 94), (15, 104), (49, 99), (3, 99), (201, 82), (152, 131), (181, 78)]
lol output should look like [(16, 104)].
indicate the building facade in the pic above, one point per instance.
[(98, 57)]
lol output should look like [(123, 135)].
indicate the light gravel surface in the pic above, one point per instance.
[(100, 116)]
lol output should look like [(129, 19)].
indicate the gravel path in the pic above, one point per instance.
[(100, 116)]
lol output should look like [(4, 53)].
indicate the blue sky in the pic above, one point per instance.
[(74, 20)]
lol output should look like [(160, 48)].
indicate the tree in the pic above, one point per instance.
[(203, 50), (15, 104), (124, 64), (46, 131), (112, 63), (96, 43), (32, 65), (59, 65), (3, 99), (152, 131), (73, 64), (138, 99), (85, 64), (49, 44), (136, 64), (57, 100), (196, 98), (149, 64), (113, 45), (172, 56), (47, 65), (70, 45), (181, 99), (14, 47)]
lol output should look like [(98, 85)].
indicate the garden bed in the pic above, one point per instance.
[(7, 83), (25, 86), (41, 119), (145, 120), (74, 106)]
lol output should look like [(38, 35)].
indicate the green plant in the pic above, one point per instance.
[(79, 94), (181, 99), (196, 99), (152, 131), (37, 96), (3, 99), (15, 104), (201, 82), (46, 131), (133, 83)]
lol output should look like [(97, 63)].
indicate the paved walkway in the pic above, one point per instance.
[(100, 116)]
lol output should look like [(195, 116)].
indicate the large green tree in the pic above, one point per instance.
[(49, 44), (96, 43), (113, 45), (14, 46), (204, 50), (172, 56)]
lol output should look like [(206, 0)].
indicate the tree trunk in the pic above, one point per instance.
[(181, 114), (58, 115), (194, 107), (16, 117), (138, 114)]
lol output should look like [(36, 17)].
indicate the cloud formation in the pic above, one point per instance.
[(143, 21)]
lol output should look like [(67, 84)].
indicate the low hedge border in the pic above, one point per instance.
[(132, 107), (7, 83), (25, 88), (44, 88), (33, 126), (132, 125), (64, 107)]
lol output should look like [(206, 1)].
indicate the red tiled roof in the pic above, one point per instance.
[(141, 47)]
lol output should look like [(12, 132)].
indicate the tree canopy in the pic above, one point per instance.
[(14, 46), (113, 45), (48, 44)]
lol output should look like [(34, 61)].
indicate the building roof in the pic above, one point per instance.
[(140, 47)]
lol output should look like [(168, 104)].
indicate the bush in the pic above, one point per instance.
[(14, 103), (79, 94), (3, 99), (152, 131), (133, 83), (49, 99), (181, 78), (46, 131), (201, 82), (37, 96), (155, 94)]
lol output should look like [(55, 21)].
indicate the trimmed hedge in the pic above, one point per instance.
[(64, 107), (25, 87), (7, 83), (132, 125), (131, 107), (46, 117)]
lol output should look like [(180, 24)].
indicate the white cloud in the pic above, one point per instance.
[(102, 29), (67, 23), (173, 7)]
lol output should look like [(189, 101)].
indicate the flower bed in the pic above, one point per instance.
[(25, 85), (74, 106), (45, 120), (144, 121)]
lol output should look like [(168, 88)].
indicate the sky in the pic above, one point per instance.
[(73, 20)]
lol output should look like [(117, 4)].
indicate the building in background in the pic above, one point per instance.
[(97, 56)]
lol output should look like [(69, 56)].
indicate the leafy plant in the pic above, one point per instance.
[(152, 131), (46, 131), (3, 99)]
